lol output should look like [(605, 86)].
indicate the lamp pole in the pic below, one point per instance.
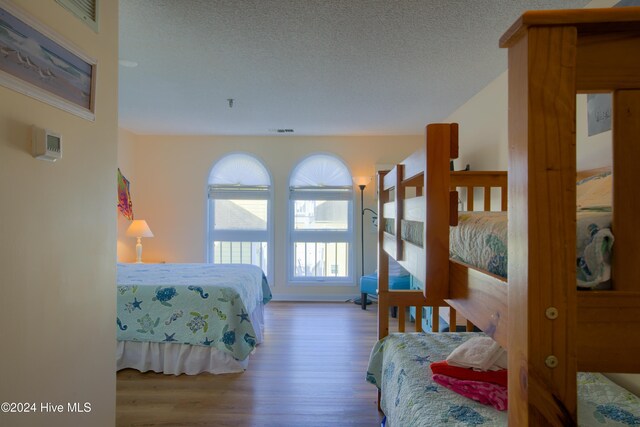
[(362, 187)]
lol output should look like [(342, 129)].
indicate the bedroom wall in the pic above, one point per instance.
[(57, 228), (170, 193), (483, 144), (483, 131)]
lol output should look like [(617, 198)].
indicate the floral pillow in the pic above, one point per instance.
[(595, 192)]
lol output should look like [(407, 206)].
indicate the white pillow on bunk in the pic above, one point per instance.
[(594, 191)]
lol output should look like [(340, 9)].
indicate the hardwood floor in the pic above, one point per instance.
[(310, 371)]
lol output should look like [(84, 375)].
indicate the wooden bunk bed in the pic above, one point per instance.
[(551, 329)]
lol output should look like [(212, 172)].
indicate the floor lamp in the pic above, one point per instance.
[(361, 182)]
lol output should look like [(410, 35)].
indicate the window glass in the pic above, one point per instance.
[(321, 227), (240, 225)]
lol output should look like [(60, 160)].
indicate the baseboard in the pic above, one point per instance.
[(314, 298)]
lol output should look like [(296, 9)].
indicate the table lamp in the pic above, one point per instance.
[(139, 229)]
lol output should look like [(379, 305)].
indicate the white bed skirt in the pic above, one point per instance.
[(176, 358)]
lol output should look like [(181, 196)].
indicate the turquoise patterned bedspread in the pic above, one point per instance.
[(480, 239), (399, 366), (198, 304)]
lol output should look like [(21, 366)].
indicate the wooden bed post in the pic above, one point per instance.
[(553, 55), (626, 157), (383, 263), (442, 141), (542, 222)]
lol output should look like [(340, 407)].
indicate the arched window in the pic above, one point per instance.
[(240, 224), (321, 221)]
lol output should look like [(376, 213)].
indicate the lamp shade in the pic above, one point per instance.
[(361, 180), (139, 228)]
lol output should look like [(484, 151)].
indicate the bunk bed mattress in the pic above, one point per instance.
[(399, 367), (480, 240), (198, 307)]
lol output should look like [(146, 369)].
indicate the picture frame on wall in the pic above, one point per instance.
[(37, 62)]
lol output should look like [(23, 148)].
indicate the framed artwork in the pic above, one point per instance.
[(125, 206), (38, 63)]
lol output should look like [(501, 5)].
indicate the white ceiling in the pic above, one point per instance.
[(320, 67)]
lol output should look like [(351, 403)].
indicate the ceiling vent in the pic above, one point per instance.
[(281, 130), (86, 10)]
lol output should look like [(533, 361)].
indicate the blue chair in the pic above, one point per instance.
[(369, 285)]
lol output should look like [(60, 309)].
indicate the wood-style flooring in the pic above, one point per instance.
[(310, 371)]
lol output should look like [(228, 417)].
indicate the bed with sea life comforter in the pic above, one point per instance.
[(189, 318)]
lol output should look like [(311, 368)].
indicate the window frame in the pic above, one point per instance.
[(321, 235), (241, 235)]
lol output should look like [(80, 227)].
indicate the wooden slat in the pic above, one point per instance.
[(479, 178), (389, 244), (399, 205), (435, 319), (416, 181), (413, 260), (383, 263), (453, 208), (542, 206), (454, 145), (453, 324), (470, 326), (407, 297), (625, 272), (486, 179), (608, 331), (605, 62), (414, 165), (418, 322), (401, 318), (414, 209), (587, 20), (480, 298), (389, 210), (436, 230), (389, 180), (487, 198)]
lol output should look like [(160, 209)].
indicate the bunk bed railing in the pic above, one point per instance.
[(407, 233), (417, 205)]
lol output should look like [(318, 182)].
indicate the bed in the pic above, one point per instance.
[(189, 318), (551, 329), (400, 365)]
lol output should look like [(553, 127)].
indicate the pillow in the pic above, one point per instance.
[(594, 191)]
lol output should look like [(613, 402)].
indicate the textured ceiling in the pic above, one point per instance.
[(320, 67)]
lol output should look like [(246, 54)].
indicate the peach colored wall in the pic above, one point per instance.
[(170, 192), (58, 246)]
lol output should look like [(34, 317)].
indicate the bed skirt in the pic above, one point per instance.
[(175, 358)]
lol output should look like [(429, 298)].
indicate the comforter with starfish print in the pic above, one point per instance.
[(197, 304)]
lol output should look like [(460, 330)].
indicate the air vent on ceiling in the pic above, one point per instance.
[(87, 10), (283, 130)]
